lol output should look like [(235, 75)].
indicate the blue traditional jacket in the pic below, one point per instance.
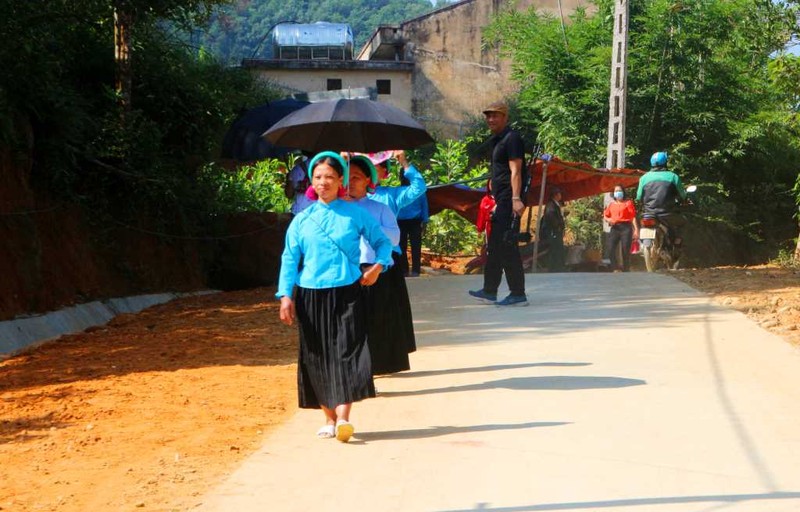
[(418, 209), (388, 222), (328, 238), (397, 198)]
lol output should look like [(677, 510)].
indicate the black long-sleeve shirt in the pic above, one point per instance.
[(552, 221)]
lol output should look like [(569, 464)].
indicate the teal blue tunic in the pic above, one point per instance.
[(327, 237)]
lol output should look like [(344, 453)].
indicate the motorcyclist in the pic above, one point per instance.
[(660, 194)]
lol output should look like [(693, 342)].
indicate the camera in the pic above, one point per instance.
[(513, 235)]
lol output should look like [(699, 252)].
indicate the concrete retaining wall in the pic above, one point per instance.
[(21, 333)]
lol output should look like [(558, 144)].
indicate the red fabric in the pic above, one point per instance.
[(463, 200), (623, 211), (575, 179), (578, 179), (311, 194), (484, 222)]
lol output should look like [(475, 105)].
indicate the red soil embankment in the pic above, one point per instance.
[(55, 254)]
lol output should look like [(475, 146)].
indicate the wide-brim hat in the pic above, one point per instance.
[(379, 157)]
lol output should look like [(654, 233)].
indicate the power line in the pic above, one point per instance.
[(31, 212)]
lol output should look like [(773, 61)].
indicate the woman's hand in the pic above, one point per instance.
[(371, 275), (287, 310), (400, 155)]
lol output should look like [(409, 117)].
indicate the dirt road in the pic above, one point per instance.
[(152, 410)]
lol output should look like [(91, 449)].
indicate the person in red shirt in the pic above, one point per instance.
[(621, 216)]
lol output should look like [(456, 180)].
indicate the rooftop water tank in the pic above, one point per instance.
[(321, 40)]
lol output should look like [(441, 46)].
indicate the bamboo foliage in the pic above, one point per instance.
[(703, 85)]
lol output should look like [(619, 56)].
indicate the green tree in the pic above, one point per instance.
[(57, 89), (784, 71), (699, 87)]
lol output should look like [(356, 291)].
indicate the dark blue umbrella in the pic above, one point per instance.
[(359, 125), (243, 141)]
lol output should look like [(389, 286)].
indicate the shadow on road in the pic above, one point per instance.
[(636, 502), (552, 383), (480, 369), (438, 431)]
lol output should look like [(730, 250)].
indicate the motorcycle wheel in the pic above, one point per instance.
[(672, 254), (676, 260), (666, 258), (650, 257)]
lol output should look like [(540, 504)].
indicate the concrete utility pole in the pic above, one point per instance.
[(615, 157), (617, 99)]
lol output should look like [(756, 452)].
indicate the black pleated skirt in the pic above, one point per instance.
[(390, 328), (334, 366)]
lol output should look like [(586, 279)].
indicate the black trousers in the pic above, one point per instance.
[(556, 254), (411, 231), (620, 234), (503, 257)]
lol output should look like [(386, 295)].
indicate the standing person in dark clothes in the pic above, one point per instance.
[(411, 220), (325, 296), (552, 231), (503, 255)]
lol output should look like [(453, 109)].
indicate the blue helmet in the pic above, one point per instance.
[(658, 159)]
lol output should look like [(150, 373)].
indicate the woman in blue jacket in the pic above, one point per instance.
[(387, 340), (324, 295), (398, 318)]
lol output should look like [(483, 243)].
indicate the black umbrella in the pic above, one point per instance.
[(359, 125), (243, 141)]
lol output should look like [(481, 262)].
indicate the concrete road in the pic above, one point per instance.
[(626, 392)]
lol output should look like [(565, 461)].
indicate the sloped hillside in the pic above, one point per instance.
[(239, 31)]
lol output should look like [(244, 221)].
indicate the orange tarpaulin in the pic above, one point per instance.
[(575, 179)]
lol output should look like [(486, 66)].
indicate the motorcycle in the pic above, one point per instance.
[(657, 245)]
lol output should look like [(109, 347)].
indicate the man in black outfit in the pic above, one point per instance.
[(503, 255)]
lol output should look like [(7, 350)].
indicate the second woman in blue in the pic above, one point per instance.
[(324, 295), (386, 334), (397, 198)]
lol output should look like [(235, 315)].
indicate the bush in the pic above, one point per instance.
[(786, 259), (585, 221), (450, 234), (447, 232), (252, 188)]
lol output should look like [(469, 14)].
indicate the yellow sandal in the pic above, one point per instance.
[(344, 430)]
